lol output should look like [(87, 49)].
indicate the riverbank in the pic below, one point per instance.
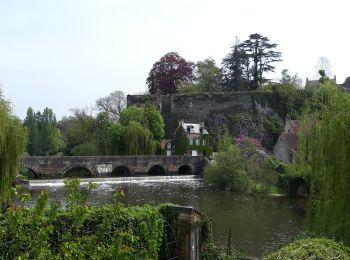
[(258, 223)]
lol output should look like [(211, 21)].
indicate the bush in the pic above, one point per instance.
[(311, 248), (80, 231), (227, 172)]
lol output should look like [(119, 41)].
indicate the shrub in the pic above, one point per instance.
[(311, 248), (79, 231), (227, 171)]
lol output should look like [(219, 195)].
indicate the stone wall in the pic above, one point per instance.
[(210, 108)]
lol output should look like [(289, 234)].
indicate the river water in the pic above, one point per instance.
[(258, 224)]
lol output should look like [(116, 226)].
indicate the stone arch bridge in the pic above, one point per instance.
[(53, 167)]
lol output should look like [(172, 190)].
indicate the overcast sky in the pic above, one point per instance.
[(68, 53)]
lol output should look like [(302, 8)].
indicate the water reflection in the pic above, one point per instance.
[(258, 224)]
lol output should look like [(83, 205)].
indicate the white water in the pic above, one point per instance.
[(85, 181)]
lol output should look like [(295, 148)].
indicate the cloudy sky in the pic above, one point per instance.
[(68, 53)]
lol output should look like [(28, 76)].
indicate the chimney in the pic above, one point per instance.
[(181, 122)]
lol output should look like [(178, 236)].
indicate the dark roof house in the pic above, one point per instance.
[(287, 144)]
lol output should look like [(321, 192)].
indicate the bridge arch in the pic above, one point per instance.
[(185, 170), (78, 171), (121, 171), (32, 173), (156, 170)]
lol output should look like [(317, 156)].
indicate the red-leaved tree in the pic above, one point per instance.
[(167, 73)]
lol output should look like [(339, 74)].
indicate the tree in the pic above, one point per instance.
[(236, 72), (228, 171), (288, 79), (139, 140), (261, 55), (324, 64), (102, 123), (208, 75), (44, 135), (31, 123), (50, 135), (139, 131), (148, 116), (13, 138), (80, 133), (329, 211), (168, 72), (115, 137), (113, 104)]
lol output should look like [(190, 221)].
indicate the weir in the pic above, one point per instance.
[(85, 181)]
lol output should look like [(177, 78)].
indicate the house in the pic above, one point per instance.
[(287, 145), (346, 83), (191, 139), (167, 146), (313, 84)]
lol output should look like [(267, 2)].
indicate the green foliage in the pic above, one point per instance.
[(212, 251), (138, 132), (288, 79), (139, 140), (49, 231), (208, 76), (13, 140), (148, 116), (115, 136), (44, 136), (274, 126), (284, 99), (79, 134), (311, 248), (329, 211), (227, 172), (257, 164), (102, 124), (155, 121)]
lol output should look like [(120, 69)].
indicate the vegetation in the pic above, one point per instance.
[(139, 131), (13, 139), (227, 172), (80, 231), (44, 136), (113, 104), (242, 167), (311, 248), (329, 211), (79, 134), (248, 61), (208, 76), (167, 73)]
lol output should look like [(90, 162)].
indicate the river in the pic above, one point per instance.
[(258, 224)]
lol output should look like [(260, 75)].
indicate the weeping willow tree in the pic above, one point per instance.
[(139, 140), (329, 208), (13, 138)]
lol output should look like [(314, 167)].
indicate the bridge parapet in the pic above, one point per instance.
[(47, 167)]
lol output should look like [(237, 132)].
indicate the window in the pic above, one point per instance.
[(203, 141), (188, 129), (191, 141), (197, 141), (168, 146)]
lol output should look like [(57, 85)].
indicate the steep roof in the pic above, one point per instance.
[(346, 83), (291, 140), (194, 128)]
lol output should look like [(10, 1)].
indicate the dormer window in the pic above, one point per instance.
[(188, 129), (201, 130)]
